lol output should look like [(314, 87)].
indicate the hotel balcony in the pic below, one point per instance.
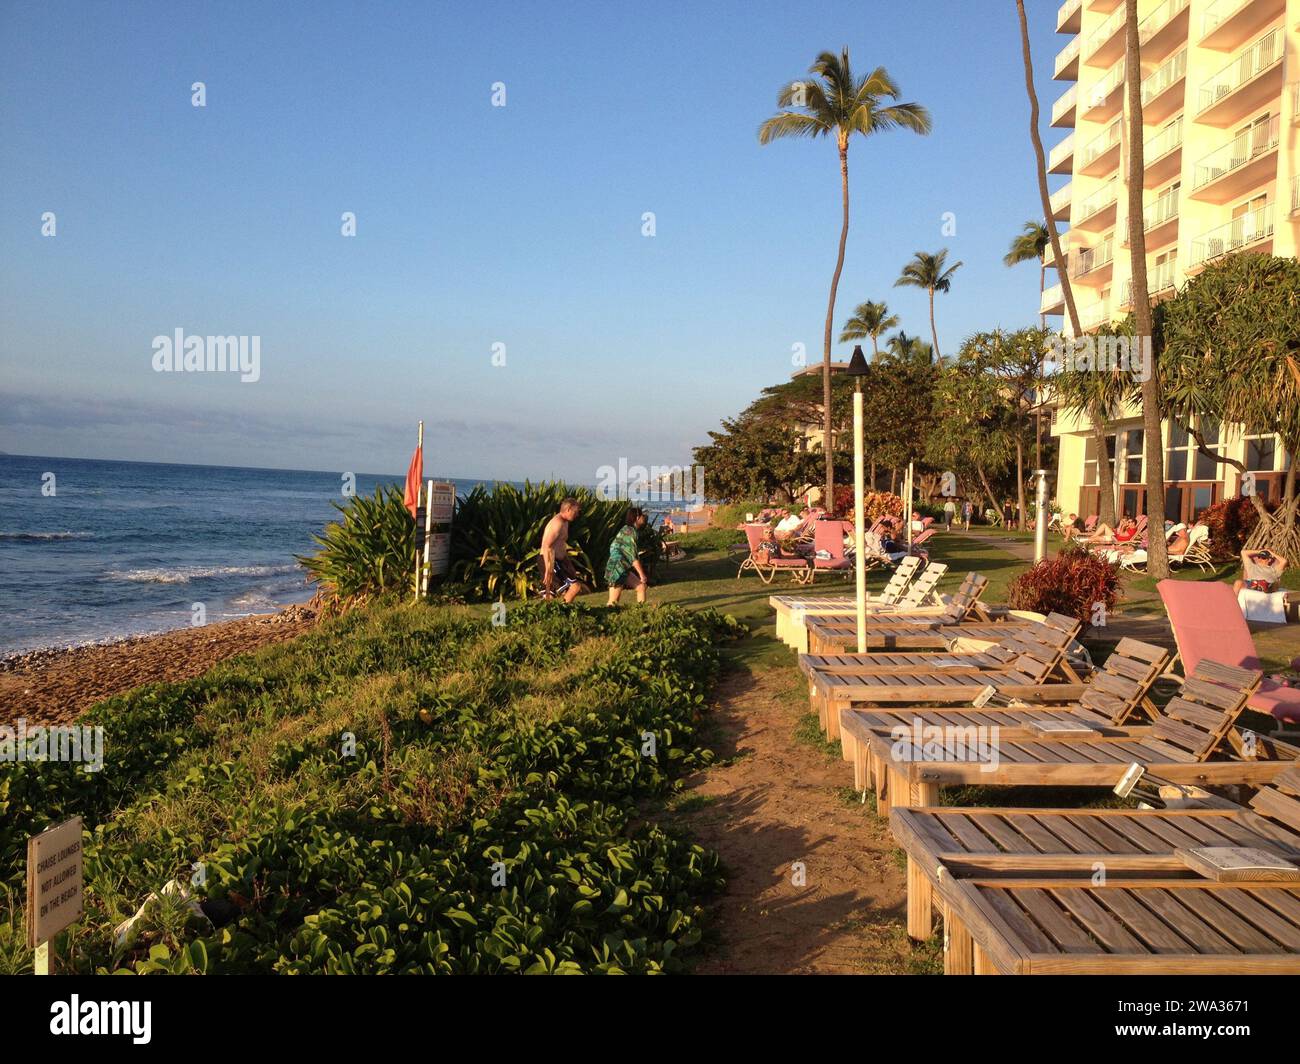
[(1097, 212), (1063, 111), (1095, 317), (1067, 62), (1069, 17), (1244, 163), (1295, 195), (1295, 103), (1106, 43), (1061, 201), (1160, 220), (1065, 251), (1161, 283), (1164, 29), (1251, 80), (1100, 155), (1228, 24), (1250, 230), (1094, 265), (1105, 99), (1053, 301), (1162, 89), (1061, 158), (1162, 155)]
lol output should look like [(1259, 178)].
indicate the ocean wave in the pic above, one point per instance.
[(41, 537), (187, 573)]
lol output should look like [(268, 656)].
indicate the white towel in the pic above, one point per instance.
[(1262, 606)]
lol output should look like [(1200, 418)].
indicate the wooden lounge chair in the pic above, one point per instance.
[(1020, 893), (791, 609), (766, 563), (1195, 727), (1207, 621), (951, 844), (1021, 665)]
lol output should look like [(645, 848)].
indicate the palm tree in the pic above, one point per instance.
[(927, 271), (1157, 555), (1106, 479), (839, 105), (903, 348), (870, 320), (1031, 246)]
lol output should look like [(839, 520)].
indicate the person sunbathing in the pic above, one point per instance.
[(1104, 534), (1261, 570)]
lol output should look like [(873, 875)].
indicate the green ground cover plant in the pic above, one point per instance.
[(406, 789)]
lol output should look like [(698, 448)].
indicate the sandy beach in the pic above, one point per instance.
[(55, 686)]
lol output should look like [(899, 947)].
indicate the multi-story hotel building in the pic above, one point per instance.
[(1221, 150)]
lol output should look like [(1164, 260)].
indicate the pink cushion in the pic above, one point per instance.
[(1282, 702)]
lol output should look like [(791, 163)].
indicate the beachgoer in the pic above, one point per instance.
[(624, 568), (967, 512), (1261, 570), (560, 577), (949, 512)]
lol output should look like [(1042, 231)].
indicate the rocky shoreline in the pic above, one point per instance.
[(54, 685)]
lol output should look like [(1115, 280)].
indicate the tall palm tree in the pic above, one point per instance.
[(927, 271), (1031, 246), (1106, 478), (1157, 555), (839, 104), (869, 321), (904, 348)]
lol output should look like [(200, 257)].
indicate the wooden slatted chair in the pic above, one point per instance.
[(792, 609), (1019, 892), (908, 768), (1021, 665)]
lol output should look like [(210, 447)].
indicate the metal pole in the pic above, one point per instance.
[(907, 510), (1040, 526), (859, 528)]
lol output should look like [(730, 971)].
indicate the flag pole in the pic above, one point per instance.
[(420, 447)]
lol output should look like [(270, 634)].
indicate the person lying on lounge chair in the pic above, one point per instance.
[(1071, 526), (1103, 533), (1261, 570)]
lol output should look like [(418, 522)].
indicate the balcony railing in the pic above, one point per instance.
[(1224, 239), (1162, 209), (1295, 194), (1100, 93), (1094, 258), (1249, 64), (1160, 18), (1245, 146), (1061, 152), (1064, 103), (1160, 279), (1067, 55), (1061, 198), (1218, 13), (1105, 31), (1169, 72), (1295, 103), (1164, 142), (1066, 12), (1102, 143), (1053, 297), (1101, 199), (1094, 316)]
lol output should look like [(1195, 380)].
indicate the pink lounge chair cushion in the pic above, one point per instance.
[(1208, 623)]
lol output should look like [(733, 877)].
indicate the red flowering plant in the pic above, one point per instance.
[(1074, 583)]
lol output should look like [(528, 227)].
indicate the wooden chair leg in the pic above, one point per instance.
[(983, 966), (920, 901), (854, 747), (958, 947), (900, 789), (925, 793)]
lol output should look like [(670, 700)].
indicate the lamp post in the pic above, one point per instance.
[(857, 370), (1040, 526)]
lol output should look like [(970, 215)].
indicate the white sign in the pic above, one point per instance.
[(442, 501), (54, 881), (439, 553)]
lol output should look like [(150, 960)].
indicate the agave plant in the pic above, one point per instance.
[(497, 535), (370, 551)]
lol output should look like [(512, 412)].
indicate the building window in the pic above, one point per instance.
[(1090, 459), (1133, 456)]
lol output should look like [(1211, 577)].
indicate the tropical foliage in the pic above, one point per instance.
[(400, 791), (370, 550), (1074, 583)]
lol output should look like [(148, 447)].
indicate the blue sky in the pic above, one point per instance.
[(476, 225)]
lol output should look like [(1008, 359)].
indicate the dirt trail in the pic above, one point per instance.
[(774, 800)]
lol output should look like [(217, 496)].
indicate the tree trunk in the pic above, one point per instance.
[(934, 335), (988, 491), (1153, 443), (1042, 287), (893, 479), (1105, 475), (1020, 480), (873, 474), (829, 500)]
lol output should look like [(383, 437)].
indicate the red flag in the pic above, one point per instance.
[(414, 474)]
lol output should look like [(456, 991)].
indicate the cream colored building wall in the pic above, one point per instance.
[(1203, 213)]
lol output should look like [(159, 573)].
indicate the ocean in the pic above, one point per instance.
[(128, 548)]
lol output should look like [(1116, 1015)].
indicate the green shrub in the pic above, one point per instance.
[(496, 537), (370, 551)]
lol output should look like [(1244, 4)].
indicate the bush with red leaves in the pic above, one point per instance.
[(874, 503), (1230, 523), (1072, 583)]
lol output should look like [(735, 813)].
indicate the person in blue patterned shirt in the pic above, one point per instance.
[(624, 568)]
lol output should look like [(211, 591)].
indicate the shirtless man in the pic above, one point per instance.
[(559, 575)]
